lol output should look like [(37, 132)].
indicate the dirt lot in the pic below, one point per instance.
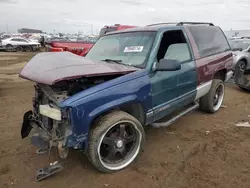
[(198, 151)]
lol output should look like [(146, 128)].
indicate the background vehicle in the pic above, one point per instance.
[(20, 44), (116, 27), (241, 53), (5, 36), (129, 79), (82, 45), (78, 48)]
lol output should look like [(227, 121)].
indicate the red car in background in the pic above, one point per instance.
[(82, 47), (115, 27), (78, 48)]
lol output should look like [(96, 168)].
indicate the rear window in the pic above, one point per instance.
[(210, 40)]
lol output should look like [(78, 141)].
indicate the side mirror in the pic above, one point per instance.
[(168, 65)]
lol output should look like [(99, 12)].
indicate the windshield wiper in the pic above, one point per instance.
[(113, 60), (117, 61)]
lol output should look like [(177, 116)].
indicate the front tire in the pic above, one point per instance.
[(241, 65), (9, 48), (115, 141), (212, 101)]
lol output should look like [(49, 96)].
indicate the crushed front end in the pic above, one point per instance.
[(49, 125)]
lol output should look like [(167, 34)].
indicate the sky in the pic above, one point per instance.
[(71, 16)]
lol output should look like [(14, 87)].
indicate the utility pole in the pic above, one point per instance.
[(92, 29), (7, 28)]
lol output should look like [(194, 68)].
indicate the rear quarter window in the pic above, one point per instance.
[(210, 40)]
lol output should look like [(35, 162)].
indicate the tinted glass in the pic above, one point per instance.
[(210, 40), (129, 48)]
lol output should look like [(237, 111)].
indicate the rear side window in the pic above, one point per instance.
[(210, 40)]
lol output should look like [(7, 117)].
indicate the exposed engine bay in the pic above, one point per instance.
[(49, 97), (51, 123), (64, 89)]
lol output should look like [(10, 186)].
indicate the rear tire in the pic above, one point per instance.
[(9, 48), (212, 101), (19, 48), (28, 49), (115, 141)]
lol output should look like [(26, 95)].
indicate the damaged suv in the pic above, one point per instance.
[(129, 79)]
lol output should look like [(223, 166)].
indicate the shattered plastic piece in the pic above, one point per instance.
[(42, 151), (243, 124), (223, 106), (46, 172)]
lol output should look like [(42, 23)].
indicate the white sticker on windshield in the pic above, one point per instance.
[(133, 49)]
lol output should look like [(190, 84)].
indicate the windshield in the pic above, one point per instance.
[(239, 44), (127, 48)]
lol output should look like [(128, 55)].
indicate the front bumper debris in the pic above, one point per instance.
[(46, 172), (26, 126), (44, 143)]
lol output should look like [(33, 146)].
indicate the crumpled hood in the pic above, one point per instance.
[(51, 67)]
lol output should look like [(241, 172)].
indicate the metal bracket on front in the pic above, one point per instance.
[(42, 151), (46, 172)]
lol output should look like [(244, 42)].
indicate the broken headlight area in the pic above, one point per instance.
[(50, 125)]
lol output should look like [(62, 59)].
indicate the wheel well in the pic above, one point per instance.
[(134, 109), (243, 59), (221, 74)]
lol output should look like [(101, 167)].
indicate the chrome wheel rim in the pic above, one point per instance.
[(218, 97), (119, 145)]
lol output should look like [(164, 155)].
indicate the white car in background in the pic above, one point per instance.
[(20, 44)]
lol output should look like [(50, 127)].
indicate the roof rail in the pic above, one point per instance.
[(196, 23), (182, 23), (163, 23)]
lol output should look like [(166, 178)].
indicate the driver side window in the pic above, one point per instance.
[(174, 47)]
